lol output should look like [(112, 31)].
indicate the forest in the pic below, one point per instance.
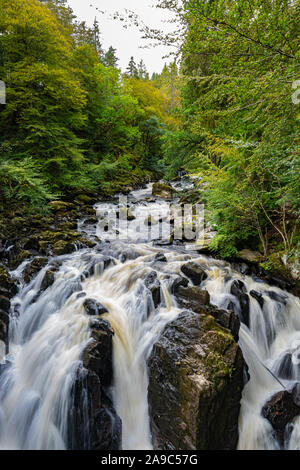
[(226, 110)]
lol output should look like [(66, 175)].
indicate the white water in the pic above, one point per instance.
[(51, 330)]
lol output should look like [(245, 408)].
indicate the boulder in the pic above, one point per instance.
[(238, 289), (48, 279), (93, 422), (163, 190), (281, 409), (97, 355), (33, 268), (4, 303), (282, 299), (179, 281), (94, 308), (160, 258), (250, 256), (60, 206), (258, 296), (153, 284), (7, 284), (194, 294), (63, 247), (195, 272), (195, 385)]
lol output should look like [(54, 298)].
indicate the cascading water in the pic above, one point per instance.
[(51, 329)]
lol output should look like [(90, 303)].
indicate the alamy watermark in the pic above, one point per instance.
[(158, 222), (2, 92)]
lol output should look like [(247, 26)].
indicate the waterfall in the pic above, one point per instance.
[(49, 330), (271, 348)]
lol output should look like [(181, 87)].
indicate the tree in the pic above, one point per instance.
[(110, 59), (142, 71), (132, 70)]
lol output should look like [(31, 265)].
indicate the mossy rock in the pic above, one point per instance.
[(84, 199), (63, 247), (58, 206), (33, 268), (5, 280), (190, 197), (275, 266), (163, 190)]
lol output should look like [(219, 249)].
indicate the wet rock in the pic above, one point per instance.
[(33, 268), (129, 254), (97, 265), (153, 284), (281, 409), (7, 284), (250, 256), (3, 332), (93, 422), (166, 242), (31, 244), (91, 220), (4, 303), (228, 320), (282, 299), (97, 355), (195, 272), (195, 385), (63, 247), (195, 294), (179, 281), (160, 257), (238, 289), (93, 307), (163, 190), (48, 279), (258, 296)]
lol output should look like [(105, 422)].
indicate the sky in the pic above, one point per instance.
[(126, 41)]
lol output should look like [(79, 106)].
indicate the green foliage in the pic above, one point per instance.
[(71, 121), (240, 60)]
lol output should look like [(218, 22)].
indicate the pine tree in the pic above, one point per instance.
[(142, 71), (132, 70), (110, 59)]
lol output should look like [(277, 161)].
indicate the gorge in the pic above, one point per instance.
[(133, 345)]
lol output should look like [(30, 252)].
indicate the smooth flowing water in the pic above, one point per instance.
[(49, 331)]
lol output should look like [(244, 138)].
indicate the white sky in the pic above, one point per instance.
[(126, 41)]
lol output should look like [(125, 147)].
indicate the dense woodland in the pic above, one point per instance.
[(224, 110)]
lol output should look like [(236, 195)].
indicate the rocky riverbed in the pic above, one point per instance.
[(159, 362)]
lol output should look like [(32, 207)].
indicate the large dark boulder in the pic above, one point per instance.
[(195, 272), (97, 356), (178, 281), (258, 296), (93, 307), (194, 294), (281, 410), (195, 385), (238, 289), (93, 421)]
